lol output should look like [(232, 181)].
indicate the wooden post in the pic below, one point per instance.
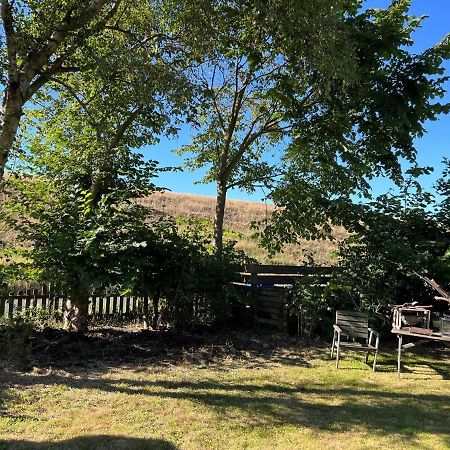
[(254, 290), (400, 339), (10, 307), (145, 315), (108, 306)]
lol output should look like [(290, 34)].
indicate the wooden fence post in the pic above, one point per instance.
[(145, 316)]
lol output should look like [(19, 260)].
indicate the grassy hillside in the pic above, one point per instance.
[(238, 217)]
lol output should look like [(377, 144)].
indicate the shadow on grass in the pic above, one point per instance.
[(89, 443), (330, 406), (420, 362), (327, 407)]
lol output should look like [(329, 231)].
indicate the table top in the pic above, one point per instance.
[(434, 336)]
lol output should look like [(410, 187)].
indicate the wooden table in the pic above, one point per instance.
[(424, 338)]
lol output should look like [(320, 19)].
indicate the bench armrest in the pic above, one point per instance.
[(374, 332), (337, 328)]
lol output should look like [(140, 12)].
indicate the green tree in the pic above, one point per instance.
[(74, 196), (73, 242), (252, 58), (360, 130), (40, 40), (399, 236), (329, 90)]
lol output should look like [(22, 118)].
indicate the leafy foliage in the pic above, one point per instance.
[(186, 281), (360, 129)]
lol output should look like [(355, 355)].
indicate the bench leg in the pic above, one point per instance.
[(399, 360), (337, 350)]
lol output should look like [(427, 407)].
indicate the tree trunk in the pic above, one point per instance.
[(77, 308), (219, 216), (155, 318), (10, 118)]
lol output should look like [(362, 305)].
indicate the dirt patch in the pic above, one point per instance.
[(114, 347)]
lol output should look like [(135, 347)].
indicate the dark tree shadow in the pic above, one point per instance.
[(91, 443), (401, 414)]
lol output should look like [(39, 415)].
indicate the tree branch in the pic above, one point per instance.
[(34, 63), (122, 128), (10, 35), (255, 179), (74, 94)]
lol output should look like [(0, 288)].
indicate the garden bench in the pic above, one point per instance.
[(354, 326)]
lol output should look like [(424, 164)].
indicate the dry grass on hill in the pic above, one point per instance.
[(238, 217)]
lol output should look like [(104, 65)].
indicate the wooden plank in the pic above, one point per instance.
[(272, 302), (275, 300), (2, 306), (418, 330), (277, 292), (341, 313), (354, 324), (269, 321), (11, 307), (100, 306), (96, 305), (271, 310), (288, 270)]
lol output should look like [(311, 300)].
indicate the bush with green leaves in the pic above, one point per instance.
[(400, 237), (184, 280)]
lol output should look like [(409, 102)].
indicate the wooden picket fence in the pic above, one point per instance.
[(25, 299), (263, 299)]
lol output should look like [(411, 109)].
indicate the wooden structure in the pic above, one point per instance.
[(266, 287), (411, 316), (423, 339), (354, 326), (101, 305)]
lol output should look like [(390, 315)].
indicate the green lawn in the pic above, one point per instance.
[(286, 401)]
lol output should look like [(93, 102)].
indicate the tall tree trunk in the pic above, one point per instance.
[(219, 216), (9, 119)]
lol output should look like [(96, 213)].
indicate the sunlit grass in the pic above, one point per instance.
[(286, 403)]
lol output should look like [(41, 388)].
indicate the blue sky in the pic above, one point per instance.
[(431, 148)]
